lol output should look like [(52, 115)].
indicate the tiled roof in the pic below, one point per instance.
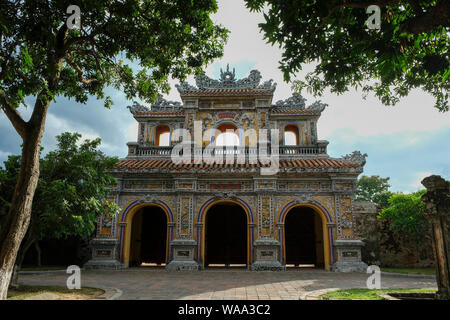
[(294, 111), (181, 113), (285, 164), (227, 92), (160, 113)]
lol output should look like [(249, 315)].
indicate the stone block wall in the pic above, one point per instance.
[(385, 248)]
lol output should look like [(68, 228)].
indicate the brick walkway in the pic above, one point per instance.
[(222, 284)]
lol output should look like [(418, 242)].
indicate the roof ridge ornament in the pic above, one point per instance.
[(297, 101), (228, 81), (160, 105), (228, 76), (317, 106), (138, 108), (163, 104), (356, 157)]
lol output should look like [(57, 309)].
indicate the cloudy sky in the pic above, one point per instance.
[(406, 142)]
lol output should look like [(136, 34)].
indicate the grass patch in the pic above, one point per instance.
[(366, 294), (43, 268), (411, 270), (23, 292)]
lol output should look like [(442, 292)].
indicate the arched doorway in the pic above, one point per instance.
[(226, 134), (148, 243), (162, 135), (291, 135), (226, 236), (304, 241)]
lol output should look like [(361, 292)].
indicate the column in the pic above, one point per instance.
[(436, 211)]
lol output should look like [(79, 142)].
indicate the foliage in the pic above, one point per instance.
[(411, 49), (368, 294), (405, 213), (72, 188), (8, 177), (374, 189), (163, 37), (41, 57)]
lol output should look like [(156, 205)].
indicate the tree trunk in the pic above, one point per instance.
[(19, 214), (18, 265), (38, 254), (29, 239)]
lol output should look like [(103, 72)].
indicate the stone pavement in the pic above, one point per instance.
[(142, 283)]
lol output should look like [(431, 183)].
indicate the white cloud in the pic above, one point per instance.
[(350, 111), (405, 142), (55, 125), (4, 154), (419, 177), (132, 131), (414, 113)]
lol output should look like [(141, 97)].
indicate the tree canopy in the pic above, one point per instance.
[(164, 37), (43, 56), (72, 190), (410, 50), (374, 189), (405, 213)]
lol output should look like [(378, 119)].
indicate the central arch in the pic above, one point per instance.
[(226, 235), (303, 238), (244, 219)]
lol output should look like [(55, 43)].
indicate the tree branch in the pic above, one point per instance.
[(90, 52), (55, 63), (3, 72), (423, 22), (80, 72), (13, 115), (434, 17), (360, 5), (416, 6)]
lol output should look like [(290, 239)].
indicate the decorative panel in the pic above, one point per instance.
[(185, 217), (265, 216)]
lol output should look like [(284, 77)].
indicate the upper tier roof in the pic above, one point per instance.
[(228, 84)]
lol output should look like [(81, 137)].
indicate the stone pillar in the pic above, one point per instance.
[(103, 254), (437, 207), (183, 255), (105, 245), (349, 256), (132, 149), (267, 255)]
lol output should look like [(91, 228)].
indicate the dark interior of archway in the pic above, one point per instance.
[(149, 237), (226, 236), (304, 240)]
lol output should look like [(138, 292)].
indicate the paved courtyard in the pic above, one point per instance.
[(222, 284)]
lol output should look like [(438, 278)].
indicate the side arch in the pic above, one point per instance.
[(125, 222), (154, 132), (326, 231)]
